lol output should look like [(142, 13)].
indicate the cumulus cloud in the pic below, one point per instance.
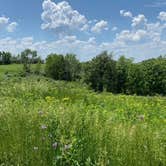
[(141, 40), (139, 20), (3, 21), (7, 25), (85, 27), (61, 18), (12, 27), (125, 13), (126, 43), (127, 35), (136, 20), (162, 16), (100, 26)]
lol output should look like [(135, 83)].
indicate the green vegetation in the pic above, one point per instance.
[(17, 69), (103, 73), (61, 67), (45, 122)]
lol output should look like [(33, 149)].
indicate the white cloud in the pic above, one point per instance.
[(27, 41), (127, 35), (142, 40), (139, 20), (162, 16), (114, 28), (3, 21), (125, 13), (100, 26), (85, 27), (7, 25), (157, 4), (12, 27), (126, 43), (61, 18)]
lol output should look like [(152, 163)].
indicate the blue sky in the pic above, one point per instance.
[(85, 27)]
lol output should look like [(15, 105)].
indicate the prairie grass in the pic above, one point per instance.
[(47, 123)]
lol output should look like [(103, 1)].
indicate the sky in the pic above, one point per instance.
[(135, 29)]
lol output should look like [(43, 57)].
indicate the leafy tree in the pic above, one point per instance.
[(72, 67), (27, 58), (122, 68), (101, 72), (5, 58), (135, 80), (55, 67), (155, 75)]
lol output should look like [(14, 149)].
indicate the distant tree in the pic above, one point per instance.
[(55, 67), (136, 80), (122, 67), (27, 58), (101, 72), (72, 67), (155, 75), (5, 58)]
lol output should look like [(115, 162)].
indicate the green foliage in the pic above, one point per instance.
[(155, 75), (27, 58), (5, 58), (46, 122), (17, 70), (101, 73), (38, 68), (73, 67), (55, 67), (122, 67), (61, 67), (124, 76)]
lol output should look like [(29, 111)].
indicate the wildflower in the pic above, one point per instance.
[(40, 113), (35, 148), (43, 127), (141, 117), (67, 147), (54, 145)]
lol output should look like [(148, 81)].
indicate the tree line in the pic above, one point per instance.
[(27, 55), (102, 73)]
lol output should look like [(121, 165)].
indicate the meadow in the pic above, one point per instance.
[(15, 69), (55, 123)]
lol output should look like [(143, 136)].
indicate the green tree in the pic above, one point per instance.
[(155, 75), (101, 72), (27, 57), (122, 68), (5, 58), (72, 67), (55, 67)]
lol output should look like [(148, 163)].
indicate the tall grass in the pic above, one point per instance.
[(44, 122)]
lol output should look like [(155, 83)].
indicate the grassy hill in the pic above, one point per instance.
[(46, 122)]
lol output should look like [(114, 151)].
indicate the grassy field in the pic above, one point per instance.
[(15, 69), (48, 123)]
